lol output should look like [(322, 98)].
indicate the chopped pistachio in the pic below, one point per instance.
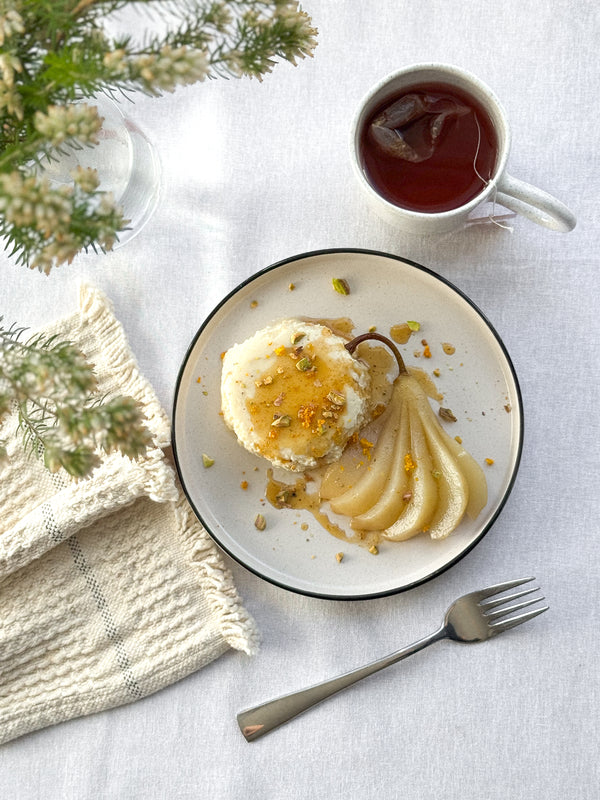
[(446, 414), (341, 285), (304, 364), (283, 498), (414, 326), (296, 336), (207, 461), (281, 421), (279, 399), (336, 398), (260, 523)]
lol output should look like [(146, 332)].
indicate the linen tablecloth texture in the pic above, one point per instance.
[(110, 589)]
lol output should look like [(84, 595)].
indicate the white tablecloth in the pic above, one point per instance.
[(254, 173)]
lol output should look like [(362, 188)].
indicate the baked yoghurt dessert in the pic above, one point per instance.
[(293, 394)]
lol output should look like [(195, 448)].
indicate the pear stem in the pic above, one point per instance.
[(353, 344)]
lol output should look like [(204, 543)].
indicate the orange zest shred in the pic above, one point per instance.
[(306, 415), (366, 447)]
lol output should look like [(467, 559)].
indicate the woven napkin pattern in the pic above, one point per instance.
[(110, 589)]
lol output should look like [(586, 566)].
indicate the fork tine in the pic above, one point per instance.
[(506, 624), (502, 612), (489, 604), (499, 587)]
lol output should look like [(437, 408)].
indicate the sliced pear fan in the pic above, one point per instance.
[(419, 478)]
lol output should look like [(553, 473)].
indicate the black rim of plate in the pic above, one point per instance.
[(451, 286)]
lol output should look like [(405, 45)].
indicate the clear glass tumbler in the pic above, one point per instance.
[(127, 165)]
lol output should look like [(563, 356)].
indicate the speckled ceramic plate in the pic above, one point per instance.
[(478, 381)]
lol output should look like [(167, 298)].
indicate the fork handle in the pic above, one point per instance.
[(259, 720)]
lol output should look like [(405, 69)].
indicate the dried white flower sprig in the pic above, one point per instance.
[(54, 54), (53, 389)]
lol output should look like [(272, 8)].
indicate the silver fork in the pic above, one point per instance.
[(474, 617)]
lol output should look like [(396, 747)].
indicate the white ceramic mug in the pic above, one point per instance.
[(516, 195)]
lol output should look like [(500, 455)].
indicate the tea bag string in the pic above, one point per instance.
[(486, 182)]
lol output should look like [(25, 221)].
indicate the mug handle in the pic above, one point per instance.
[(535, 204)]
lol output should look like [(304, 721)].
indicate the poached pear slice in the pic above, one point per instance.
[(390, 502), (453, 489), (368, 488), (423, 487), (469, 469), (473, 473)]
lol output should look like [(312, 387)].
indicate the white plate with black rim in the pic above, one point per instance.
[(478, 382)]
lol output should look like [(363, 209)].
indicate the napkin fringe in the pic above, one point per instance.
[(237, 625)]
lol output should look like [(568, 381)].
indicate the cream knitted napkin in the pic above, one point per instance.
[(109, 587)]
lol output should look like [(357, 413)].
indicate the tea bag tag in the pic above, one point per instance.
[(490, 213)]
